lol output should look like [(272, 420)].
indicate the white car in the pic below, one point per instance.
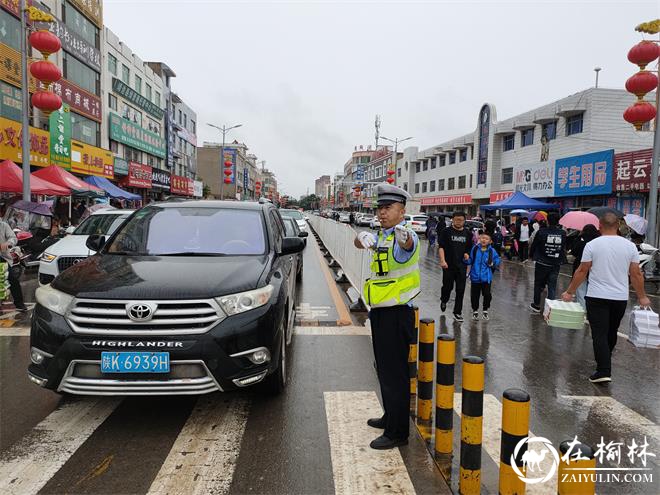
[(72, 249), (297, 216), (344, 218), (417, 222), (375, 223), (365, 220)]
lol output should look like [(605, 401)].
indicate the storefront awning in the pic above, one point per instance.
[(58, 176), (11, 180), (519, 200), (111, 189)]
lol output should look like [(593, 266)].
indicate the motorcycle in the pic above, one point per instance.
[(648, 263)]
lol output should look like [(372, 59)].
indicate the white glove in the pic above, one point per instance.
[(401, 234), (366, 239)]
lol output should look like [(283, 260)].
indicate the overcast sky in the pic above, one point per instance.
[(307, 78)]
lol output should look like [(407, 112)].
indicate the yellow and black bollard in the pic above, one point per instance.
[(582, 481), (515, 427), (425, 377), (444, 395), (412, 364), (471, 425)]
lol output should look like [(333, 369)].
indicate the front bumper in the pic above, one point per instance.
[(199, 364)]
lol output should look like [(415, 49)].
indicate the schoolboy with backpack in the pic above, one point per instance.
[(483, 261)]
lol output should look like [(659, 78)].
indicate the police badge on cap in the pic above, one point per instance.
[(388, 194)]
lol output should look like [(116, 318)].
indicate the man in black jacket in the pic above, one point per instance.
[(548, 250), (455, 244)]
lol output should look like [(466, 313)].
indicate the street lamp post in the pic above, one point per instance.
[(224, 129), (25, 96), (597, 70), (396, 142)]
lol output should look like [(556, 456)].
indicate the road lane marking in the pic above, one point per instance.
[(15, 332), (308, 312), (28, 465), (203, 457), (357, 468), (349, 330), (340, 305)]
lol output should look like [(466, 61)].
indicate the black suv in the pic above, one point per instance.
[(186, 297)]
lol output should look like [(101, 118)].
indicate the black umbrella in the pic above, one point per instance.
[(599, 211)]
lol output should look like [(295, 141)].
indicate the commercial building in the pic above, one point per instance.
[(244, 171), (573, 151), (321, 186)]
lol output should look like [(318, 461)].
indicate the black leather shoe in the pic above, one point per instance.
[(377, 423), (384, 443)]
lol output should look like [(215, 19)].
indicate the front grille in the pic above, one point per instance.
[(184, 378), (68, 261), (111, 317)]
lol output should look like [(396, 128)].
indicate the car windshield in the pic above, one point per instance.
[(186, 231), (295, 214), (100, 224)]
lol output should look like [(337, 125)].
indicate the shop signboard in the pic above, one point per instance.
[(584, 175), (90, 160), (80, 100), (60, 136), (128, 93), (633, 205), (632, 171), (160, 179), (198, 188), (73, 43), (535, 180), (93, 9), (230, 155), (460, 199), (126, 132), (121, 166), (10, 143), (179, 185), (500, 195), (139, 175), (191, 187), (10, 101), (10, 68)]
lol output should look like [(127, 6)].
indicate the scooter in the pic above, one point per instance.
[(649, 263)]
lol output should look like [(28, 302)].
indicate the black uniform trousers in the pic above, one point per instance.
[(392, 331), (451, 276), (604, 316)]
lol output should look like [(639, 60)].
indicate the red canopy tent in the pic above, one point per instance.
[(60, 177), (11, 180)]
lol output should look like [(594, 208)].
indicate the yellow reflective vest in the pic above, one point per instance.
[(391, 283)]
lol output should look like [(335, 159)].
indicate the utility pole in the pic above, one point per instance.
[(377, 125), (396, 142), (25, 99), (223, 130)]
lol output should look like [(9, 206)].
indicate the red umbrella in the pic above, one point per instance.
[(11, 180)]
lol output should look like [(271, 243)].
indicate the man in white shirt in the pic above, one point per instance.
[(523, 240), (608, 260)]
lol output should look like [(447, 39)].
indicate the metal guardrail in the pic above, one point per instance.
[(338, 239)]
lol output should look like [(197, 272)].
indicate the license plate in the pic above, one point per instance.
[(135, 362)]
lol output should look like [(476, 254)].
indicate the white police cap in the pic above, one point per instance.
[(388, 194)]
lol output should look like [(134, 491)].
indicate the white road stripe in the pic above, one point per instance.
[(351, 330), (358, 469), (29, 464), (14, 331), (203, 457), (492, 434)]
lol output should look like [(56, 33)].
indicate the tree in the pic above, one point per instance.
[(311, 202)]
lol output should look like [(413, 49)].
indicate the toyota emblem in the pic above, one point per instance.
[(140, 312)]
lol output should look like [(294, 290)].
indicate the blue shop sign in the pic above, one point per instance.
[(582, 175)]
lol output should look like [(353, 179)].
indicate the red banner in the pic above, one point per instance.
[(632, 171), (462, 199), (78, 99), (499, 196), (139, 175), (181, 185)]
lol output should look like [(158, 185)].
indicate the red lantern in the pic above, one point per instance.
[(227, 180), (46, 101), (227, 172), (639, 113), (228, 163), (643, 53), (45, 71), (390, 180), (390, 172), (45, 42), (641, 83)]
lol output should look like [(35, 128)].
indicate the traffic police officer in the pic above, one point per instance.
[(394, 282)]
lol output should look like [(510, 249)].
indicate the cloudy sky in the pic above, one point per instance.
[(306, 78)]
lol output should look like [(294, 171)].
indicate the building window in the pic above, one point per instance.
[(85, 130), (425, 166), (112, 64), (157, 98), (125, 75), (432, 186), (112, 101), (130, 113), (405, 186), (417, 167), (527, 137), (463, 155), (471, 152), (424, 187), (451, 184), (508, 142), (442, 160), (132, 155), (114, 146), (147, 91), (507, 175), (379, 171), (193, 126), (574, 124), (180, 118), (417, 188), (138, 84), (470, 181), (549, 130), (452, 157), (441, 184), (81, 75), (461, 182), (80, 25), (185, 121), (434, 162), (398, 172), (10, 34)]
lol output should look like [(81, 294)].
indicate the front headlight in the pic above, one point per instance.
[(47, 257), (234, 304), (53, 299)]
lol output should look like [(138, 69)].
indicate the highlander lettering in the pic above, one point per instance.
[(130, 343)]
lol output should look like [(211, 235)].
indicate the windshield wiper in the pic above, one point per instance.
[(191, 253)]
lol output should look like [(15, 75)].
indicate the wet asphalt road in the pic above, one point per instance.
[(289, 444)]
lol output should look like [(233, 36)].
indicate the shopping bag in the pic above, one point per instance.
[(644, 329), (564, 314)]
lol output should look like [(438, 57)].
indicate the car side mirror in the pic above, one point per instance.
[(303, 234), (69, 230), (95, 242), (292, 245)]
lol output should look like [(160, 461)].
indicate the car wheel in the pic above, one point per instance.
[(275, 383)]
